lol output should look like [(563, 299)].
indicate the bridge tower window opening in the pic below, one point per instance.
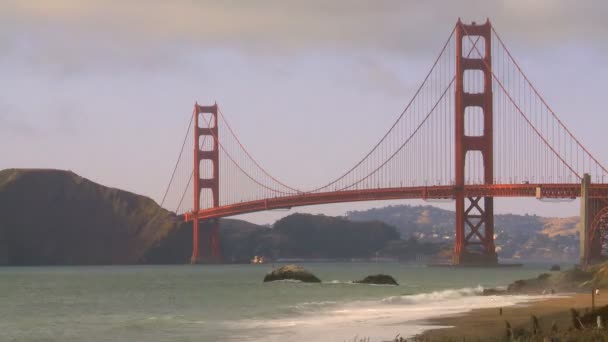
[(474, 121)]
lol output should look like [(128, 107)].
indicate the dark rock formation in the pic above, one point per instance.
[(543, 284), (572, 280), (378, 279), (291, 272), (493, 292), (555, 268)]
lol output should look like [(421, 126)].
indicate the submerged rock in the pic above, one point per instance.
[(292, 272), (555, 268), (378, 279)]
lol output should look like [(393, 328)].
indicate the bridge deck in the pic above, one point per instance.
[(432, 192)]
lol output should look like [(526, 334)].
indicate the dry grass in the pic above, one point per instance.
[(583, 328)]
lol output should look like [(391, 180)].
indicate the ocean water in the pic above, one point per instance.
[(230, 302)]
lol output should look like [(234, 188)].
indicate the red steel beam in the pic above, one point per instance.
[(434, 192)]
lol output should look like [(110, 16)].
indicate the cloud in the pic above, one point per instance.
[(13, 124), (58, 119), (72, 37), (86, 28)]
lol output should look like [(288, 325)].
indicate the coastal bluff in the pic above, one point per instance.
[(56, 217)]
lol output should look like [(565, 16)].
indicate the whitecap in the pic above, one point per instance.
[(434, 296), (382, 319)]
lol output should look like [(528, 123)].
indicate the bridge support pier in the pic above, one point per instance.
[(195, 258), (475, 232), (214, 241), (206, 242)]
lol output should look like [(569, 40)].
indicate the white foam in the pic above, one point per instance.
[(380, 320), (424, 298), (337, 282), (312, 305)]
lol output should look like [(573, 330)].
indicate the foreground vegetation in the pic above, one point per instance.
[(583, 328), (557, 325)]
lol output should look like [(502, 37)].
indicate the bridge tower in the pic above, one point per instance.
[(474, 215), (211, 228), (593, 227)]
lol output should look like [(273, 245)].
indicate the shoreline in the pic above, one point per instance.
[(489, 324)]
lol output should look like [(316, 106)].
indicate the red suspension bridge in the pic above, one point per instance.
[(475, 129)]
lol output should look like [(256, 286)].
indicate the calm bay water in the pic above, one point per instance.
[(222, 302)]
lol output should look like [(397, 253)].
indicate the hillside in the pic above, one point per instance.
[(554, 226), (58, 217), (240, 241), (301, 236), (527, 237), (53, 217), (410, 219), (315, 236)]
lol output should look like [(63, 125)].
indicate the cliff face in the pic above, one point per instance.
[(58, 217)]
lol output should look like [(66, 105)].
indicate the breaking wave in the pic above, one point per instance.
[(436, 296)]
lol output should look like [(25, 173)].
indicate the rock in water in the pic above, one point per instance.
[(293, 272), (493, 292), (555, 268), (378, 279)]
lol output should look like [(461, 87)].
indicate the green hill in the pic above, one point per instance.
[(319, 236), (525, 237), (58, 217), (54, 217)]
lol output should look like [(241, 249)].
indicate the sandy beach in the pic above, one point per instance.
[(489, 324)]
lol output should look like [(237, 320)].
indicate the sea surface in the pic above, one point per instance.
[(230, 302)]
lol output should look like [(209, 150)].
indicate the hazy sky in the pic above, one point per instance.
[(106, 88)]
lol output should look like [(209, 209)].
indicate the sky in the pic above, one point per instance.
[(106, 88)]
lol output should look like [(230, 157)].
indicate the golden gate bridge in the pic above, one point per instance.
[(475, 129)]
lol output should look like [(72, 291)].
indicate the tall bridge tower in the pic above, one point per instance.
[(203, 153), (474, 215)]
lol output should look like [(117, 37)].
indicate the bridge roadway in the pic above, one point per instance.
[(549, 191)]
